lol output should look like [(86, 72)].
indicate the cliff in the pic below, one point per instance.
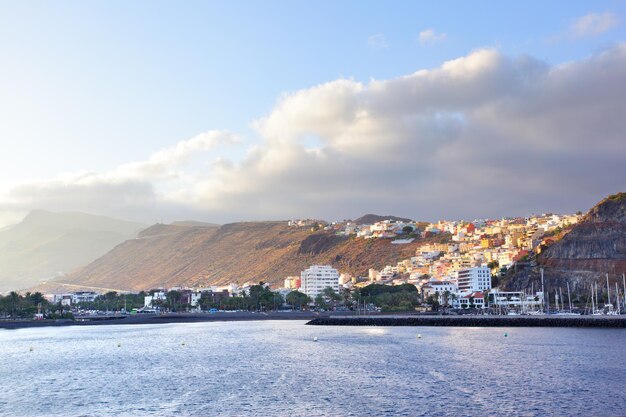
[(594, 247)]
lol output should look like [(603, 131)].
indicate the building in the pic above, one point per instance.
[(149, 300), (68, 299), (472, 300), (84, 297), (292, 283), (318, 277), (440, 288), (473, 279)]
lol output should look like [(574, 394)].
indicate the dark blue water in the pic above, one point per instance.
[(275, 369)]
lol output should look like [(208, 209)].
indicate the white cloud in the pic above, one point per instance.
[(429, 37), (482, 135), (593, 24), (377, 41), (161, 162)]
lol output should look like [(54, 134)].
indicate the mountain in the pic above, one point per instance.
[(374, 218), (45, 244), (177, 255), (594, 247)]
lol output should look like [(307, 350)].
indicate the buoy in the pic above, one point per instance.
[(119, 345), (419, 336), (182, 344), (315, 339), (506, 334), (31, 349)]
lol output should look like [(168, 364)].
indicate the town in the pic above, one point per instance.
[(461, 275)]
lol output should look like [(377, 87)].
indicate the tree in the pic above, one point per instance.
[(495, 281), (407, 230), (14, 301), (173, 299), (454, 297), (446, 297), (434, 302), (297, 299), (331, 296), (493, 265)]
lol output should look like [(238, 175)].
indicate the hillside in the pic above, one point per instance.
[(374, 218), (47, 244), (594, 247), (172, 255)]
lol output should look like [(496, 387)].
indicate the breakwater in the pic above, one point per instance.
[(476, 321)]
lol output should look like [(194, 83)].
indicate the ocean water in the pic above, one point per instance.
[(274, 368)]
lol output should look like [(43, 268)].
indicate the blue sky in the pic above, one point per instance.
[(90, 86)]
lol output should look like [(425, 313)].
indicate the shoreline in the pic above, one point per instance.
[(476, 321), (138, 319), (330, 319)]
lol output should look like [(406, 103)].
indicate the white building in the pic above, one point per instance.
[(433, 287), (75, 297), (149, 299), (473, 279), (318, 277), (471, 300), (84, 297)]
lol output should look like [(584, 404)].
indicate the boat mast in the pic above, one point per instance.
[(617, 297), (569, 298), (593, 304), (543, 293), (608, 291), (624, 282)]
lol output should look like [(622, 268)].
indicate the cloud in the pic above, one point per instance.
[(430, 37), (142, 190), (377, 41), (161, 162), (593, 24), (483, 135)]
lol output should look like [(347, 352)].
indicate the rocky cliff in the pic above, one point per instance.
[(593, 248)]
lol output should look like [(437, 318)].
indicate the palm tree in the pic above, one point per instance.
[(14, 299), (446, 296), (454, 297)]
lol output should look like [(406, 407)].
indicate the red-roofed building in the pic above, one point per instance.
[(474, 299)]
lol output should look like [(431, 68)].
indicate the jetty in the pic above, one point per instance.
[(476, 321)]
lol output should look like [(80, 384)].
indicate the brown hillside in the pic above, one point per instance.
[(171, 255)]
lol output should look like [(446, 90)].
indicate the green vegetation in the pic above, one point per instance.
[(15, 306), (328, 299), (298, 300), (113, 301), (403, 297)]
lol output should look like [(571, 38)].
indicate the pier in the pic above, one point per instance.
[(476, 321)]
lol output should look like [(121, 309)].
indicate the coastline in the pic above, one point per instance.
[(330, 319), (138, 319), (476, 321)]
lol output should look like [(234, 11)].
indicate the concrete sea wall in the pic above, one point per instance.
[(476, 321)]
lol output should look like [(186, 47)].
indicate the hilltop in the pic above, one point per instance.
[(46, 244), (176, 255), (373, 218)]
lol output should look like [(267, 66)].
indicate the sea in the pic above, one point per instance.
[(285, 368)]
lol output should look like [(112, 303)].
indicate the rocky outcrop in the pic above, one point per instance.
[(593, 248)]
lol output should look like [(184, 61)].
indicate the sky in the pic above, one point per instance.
[(228, 111)]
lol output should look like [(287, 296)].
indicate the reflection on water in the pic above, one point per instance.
[(275, 368)]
